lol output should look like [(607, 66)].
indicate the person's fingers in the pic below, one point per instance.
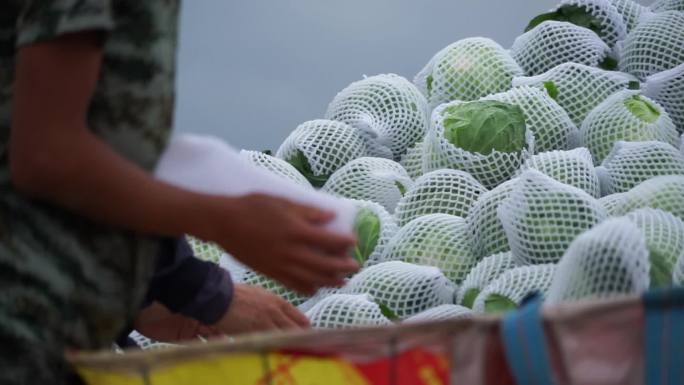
[(318, 237), (292, 282), (312, 280), (284, 322), (295, 315), (329, 265), (311, 214)]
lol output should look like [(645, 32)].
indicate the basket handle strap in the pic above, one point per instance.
[(524, 344), (664, 336)]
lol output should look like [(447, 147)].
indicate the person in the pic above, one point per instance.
[(189, 298), (86, 102)]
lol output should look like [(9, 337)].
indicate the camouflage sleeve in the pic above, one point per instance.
[(43, 20)]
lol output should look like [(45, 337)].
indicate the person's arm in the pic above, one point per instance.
[(55, 157)]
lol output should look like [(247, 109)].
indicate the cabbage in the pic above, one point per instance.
[(485, 126), (574, 14), (301, 163), (642, 109), (367, 231)]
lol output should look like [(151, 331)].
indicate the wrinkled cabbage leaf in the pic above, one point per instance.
[(485, 126), (642, 109), (574, 14), (367, 230), (301, 163)]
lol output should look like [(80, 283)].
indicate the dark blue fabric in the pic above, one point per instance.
[(522, 335), (664, 337)]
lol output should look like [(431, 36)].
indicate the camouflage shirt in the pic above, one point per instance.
[(66, 281)]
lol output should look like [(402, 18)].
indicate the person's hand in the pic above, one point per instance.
[(285, 241), (254, 309), (160, 324)]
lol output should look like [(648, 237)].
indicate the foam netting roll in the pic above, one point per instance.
[(656, 44), (513, 286), (667, 5), (547, 120), (205, 250), (664, 235), (490, 170), (387, 107), (630, 163), (542, 216), (388, 228), (580, 88), (441, 313), (487, 270), (612, 120), (276, 166), (611, 27), (612, 203), (607, 261), (324, 146), (467, 70), (662, 192), (412, 161), (379, 180), (555, 42), (439, 240), (631, 12), (441, 191), (667, 88), (484, 225), (244, 275), (346, 311), (405, 289), (574, 167)]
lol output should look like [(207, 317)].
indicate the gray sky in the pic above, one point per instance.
[(252, 71)]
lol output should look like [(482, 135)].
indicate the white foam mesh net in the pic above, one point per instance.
[(148, 344), (490, 170), (379, 180), (388, 107), (664, 235), (667, 5), (326, 145), (244, 275), (667, 88), (320, 295), (609, 260), (542, 216), (275, 165), (346, 311), (574, 168), (630, 11), (515, 285), (662, 192), (656, 44), (388, 228), (467, 70), (441, 313), (439, 240), (612, 121), (545, 119), (613, 203), (487, 270), (441, 191), (613, 28), (405, 289), (484, 224), (412, 161), (205, 250), (631, 163), (678, 273), (555, 42), (580, 87)]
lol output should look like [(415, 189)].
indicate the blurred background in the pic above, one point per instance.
[(252, 71)]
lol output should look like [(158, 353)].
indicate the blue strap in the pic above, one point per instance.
[(522, 335), (664, 337)]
